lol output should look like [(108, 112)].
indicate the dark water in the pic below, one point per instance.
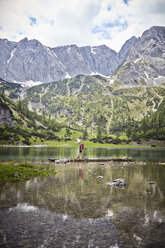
[(75, 208), (44, 153)]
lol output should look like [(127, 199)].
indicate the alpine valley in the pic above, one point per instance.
[(66, 92)]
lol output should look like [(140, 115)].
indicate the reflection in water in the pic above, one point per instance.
[(80, 174), (76, 208), (44, 153)]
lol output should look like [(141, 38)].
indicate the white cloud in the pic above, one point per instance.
[(81, 22)]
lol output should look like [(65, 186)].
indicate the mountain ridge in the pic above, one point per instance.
[(145, 62), (29, 60), (140, 61)]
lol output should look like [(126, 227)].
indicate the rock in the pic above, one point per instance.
[(6, 115), (120, 182), (16, 164), (100, 177), (62, 161), (16, 174), (150, 183)]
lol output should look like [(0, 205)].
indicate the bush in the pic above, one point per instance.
[(26, 142)]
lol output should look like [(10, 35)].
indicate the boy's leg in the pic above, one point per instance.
[(78, 155)]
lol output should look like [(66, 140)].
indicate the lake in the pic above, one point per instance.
[(76, 207), (44, 153)]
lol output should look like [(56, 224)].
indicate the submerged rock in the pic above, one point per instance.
[(120, 182), (150, 182), (100, 177), (16, 174), (62, 161)]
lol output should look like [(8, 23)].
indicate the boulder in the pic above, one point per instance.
[(119, 182)]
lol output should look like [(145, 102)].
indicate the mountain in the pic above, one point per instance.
[(130, 103), (144, 63), (29, 60), (125, 48)]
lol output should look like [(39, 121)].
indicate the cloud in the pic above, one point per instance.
[(80, 22)]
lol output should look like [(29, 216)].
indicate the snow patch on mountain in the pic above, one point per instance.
[(11, 56), (28, 84)]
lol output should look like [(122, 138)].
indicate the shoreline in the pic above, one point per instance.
[(87, 145), (68, 146)]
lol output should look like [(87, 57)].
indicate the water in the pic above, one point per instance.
[(75, 208), (44, 153)]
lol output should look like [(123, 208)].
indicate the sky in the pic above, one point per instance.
[(81, 22)]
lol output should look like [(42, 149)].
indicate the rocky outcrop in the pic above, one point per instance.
[(145, 62), (6, 116), (125, 48), (87, 60)]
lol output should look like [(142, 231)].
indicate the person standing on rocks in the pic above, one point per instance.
[(81, 147)]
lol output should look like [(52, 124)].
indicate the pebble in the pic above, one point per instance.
[(100, 177), (43, 228)]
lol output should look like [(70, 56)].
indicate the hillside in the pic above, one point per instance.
[(83, 100), (18, 125), (90, 103)]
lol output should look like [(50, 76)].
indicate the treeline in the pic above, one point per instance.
[(27, 124), (151, 126)]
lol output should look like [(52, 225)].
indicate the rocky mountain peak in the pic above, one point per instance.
[(29, 60), (152, 42), (125, 48), (145, 62)]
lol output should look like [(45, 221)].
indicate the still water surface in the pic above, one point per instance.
[(76, 207), (44, 153)]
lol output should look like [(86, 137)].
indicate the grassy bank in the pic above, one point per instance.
[(91, 144), (15, 172)]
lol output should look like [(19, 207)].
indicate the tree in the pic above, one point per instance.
[(99, 135), (19, 105), (85, 134), (67, 134), (128, 132), (43, 116)]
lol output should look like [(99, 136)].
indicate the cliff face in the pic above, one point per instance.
[(145, 62), (6, 116), (29, 60), (140, 62)]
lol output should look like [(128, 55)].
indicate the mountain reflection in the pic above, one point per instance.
[(78, 193), (77, 190)]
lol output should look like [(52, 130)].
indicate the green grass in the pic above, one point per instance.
[(14, 172), (73, 143)]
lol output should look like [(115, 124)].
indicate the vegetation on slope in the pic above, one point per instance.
[(88, 106)]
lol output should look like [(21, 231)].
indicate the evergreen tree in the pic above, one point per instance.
[(19, 105), (43, 116), (67, 134), (99, 135), (85, 134)]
